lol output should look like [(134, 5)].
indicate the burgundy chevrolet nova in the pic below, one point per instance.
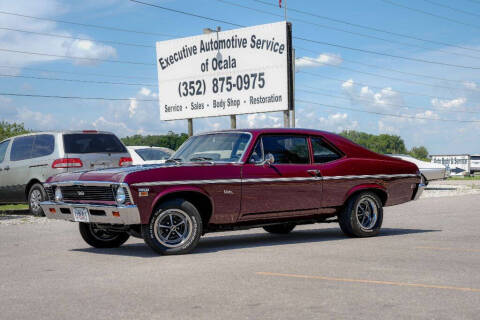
[(270, 178)]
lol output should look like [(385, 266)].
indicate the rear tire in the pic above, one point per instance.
[(362, 215), (100, 238), (36, 194), (174, 228), (283, 228)]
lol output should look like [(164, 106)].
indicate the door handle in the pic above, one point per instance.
[(314, 172)]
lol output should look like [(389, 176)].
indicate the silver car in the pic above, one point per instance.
[(430, 171), (26, 161)]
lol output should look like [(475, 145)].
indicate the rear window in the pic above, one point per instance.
[(149, 154), (92, 143)]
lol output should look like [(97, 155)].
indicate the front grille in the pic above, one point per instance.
[(49, 191), (87, 193), (79, 192)]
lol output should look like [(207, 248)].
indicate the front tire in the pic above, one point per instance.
[(36, 194), (101, 238), (283, 228), (362, 216), (174, 228)]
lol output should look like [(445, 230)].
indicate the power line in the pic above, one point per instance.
[(391, 78), (79, 73), (430, 14), (383, 103), (390, 41), (376, 87), (386, 54), (370, 28), (89, 25), (452, 8), (77, 80), (186, 13), (76, 38), (386, 68), (314, 41), (385, 114), (71, 97), (77, 58)]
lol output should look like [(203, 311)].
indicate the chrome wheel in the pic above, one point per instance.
[(102, 234), (173, 227), (35, 199), (367, 213)]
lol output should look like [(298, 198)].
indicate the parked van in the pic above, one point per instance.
[(26, 161)]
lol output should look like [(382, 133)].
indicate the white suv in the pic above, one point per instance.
[(26, 161)]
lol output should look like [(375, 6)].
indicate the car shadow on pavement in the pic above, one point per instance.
[(213, 243)]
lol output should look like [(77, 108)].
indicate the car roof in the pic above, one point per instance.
[(274, 130), (61, 132)]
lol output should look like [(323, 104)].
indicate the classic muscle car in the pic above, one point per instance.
[(270, 178)]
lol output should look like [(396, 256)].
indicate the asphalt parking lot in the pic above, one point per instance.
[(425, 264)]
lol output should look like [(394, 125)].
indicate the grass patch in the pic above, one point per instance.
[(13, 207), (465, 178)]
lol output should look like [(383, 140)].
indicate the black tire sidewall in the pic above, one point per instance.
[(148, 230), (37, 186), (89, 238), (352, 226)]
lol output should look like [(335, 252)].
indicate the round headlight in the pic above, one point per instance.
[(120, 196), (58, 194)]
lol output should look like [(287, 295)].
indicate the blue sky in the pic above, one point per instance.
[(457, 97)]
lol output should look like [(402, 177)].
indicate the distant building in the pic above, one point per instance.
[(458, 164)]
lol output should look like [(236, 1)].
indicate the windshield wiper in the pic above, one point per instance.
[(176, 160), (202, 159)]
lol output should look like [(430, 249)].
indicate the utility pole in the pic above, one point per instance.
[(190, 127), (286, 113)]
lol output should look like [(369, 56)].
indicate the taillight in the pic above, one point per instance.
[(67, 163), (125, 162)]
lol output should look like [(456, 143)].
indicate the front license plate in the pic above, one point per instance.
[(80, 214)]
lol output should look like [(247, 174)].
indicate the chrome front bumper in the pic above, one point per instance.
[(125, 215), (419, 190)]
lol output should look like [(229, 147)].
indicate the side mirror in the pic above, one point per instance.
[(268, 161)]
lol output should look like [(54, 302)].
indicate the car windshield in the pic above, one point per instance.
[(218, 147), (151, 154)]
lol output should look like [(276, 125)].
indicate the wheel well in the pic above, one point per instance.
[(29, 185), (379, 192), (199, 200)]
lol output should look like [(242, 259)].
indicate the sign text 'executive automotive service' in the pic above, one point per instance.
[(238, 71)]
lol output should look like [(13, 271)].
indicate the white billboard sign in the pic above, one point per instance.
[(223, 73)]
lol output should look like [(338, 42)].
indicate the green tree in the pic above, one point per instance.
[(419, 152), (383, 143), (8, 130), (170, 140)]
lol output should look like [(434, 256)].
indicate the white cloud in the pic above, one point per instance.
[(384, 99), (449, 104), (320, 60), (470, 85), (43, 44), (336, 122), (87, 49)]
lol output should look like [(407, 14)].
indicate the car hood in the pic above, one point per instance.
[(110, 174)]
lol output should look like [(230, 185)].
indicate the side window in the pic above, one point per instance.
[(3, 150), (257, 154), (22, 148), (286, 149), (322, 152), (43, 145)]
